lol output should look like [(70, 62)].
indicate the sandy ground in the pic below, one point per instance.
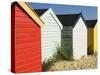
[(89, 62)]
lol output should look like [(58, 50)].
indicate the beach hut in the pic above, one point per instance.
[(74, 35), (25, 39), (50, 33), (92, 37)]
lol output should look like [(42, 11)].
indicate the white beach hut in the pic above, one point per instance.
[(50, 33)]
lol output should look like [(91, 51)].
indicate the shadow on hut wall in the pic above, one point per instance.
[(90, 40)]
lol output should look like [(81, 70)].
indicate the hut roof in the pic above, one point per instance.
[(68, 19), (91, 23)]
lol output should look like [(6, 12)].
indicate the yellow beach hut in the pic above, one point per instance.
[(92, 36)]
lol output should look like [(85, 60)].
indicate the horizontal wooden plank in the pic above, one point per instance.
[(36, 68), (26, 49), (27, 30), (66, 45), (34, 44), (19, 63), (27, 65), (47, 45), (51, 25), (28, 58), (51, 34), (27, 33), (23, 19), (27, 40), (28, 55), (28, 36), (67, 48), (22, 63), (70, 43), (26, 45), (53, 42), (20, 14), (67, 32), (51, 28), (28, 25), (24, 25), (66, 37), (51, 38), (25, 36), (49, 50)]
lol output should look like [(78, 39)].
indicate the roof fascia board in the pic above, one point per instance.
[(31, 13)]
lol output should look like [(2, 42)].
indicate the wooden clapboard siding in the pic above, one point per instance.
[(67, 41), (26, 42), (51, 34), (79, 39)]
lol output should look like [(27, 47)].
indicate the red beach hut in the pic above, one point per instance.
[(25, 39)]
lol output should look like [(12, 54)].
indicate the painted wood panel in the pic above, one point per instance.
[(51, 35), (25, 42), (79, 39), (66, 40)]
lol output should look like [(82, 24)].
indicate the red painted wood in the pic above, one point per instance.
[(21, 36), (25, 42), (25, 45)]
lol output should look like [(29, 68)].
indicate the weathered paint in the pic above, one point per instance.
[(79, 39), (50, 34), (25, 42)]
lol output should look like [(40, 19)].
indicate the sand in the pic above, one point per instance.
[(89, 62)]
